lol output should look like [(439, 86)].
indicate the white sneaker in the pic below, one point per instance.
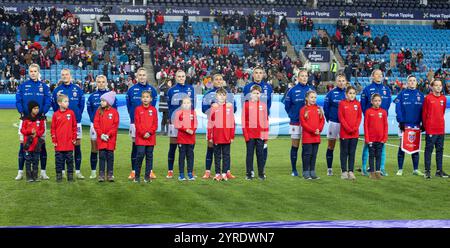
[(19, 175), (400, 173), (43, 175), (344, 175), (329, 172), (63, 173), (93, 174), (79, 176)]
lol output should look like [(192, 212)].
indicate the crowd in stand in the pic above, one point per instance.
[(262, 45), (355, 37), (109, 50), (117, 52)]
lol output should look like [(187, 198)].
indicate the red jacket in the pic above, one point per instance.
[(64, 130), (350, 114), (255, 121), (184, 120), (375, 125), (27, 126), (106, 123), (314, 121), (146, 121), (433, 111), (221, 125)]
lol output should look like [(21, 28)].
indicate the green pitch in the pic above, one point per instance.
[(280, 198)]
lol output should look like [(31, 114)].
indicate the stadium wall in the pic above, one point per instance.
[(279, 121)]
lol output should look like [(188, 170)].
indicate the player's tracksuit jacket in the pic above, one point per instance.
[(210, 97), (33, 91), (93, 103), (408, 107), (331, 104), (294, 101), (133, 98), (76, 99), (373, 88), (176, 94)]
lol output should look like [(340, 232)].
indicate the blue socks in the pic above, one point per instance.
[(77, 157), (171, 155), (365, 157), (94, 159), (21, 157), (415, 159), (133, 156), (265, 153), (209, 157), (294, 152), (43, 157), (383, 158), (329, 158), (400, 158)]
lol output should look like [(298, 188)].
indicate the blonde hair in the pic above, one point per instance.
[(61, 97), (66, 69), (141, 69), (35, 66), (101, 76), (217, 75)]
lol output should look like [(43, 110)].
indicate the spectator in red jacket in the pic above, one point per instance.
[(312, 120), (146, 121), (106, 123), (349, 113), (433, 116), (376, 134), (186, 124), (64, 137), (255, 128), (32, 129), (221, 129)]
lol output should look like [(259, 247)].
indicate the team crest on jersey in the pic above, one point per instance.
[(418, 98), (191, 116), (380, 115), (110, 116), (411, 136), (150, 113), (38, 123), (260, 108), (355, 107), (41, 89), (442, 103), (384, 92), (68, 117), (74, 94)]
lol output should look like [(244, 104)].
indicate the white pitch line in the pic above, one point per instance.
[(447, 156)]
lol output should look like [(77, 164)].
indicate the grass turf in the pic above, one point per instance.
[(280, 198)]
